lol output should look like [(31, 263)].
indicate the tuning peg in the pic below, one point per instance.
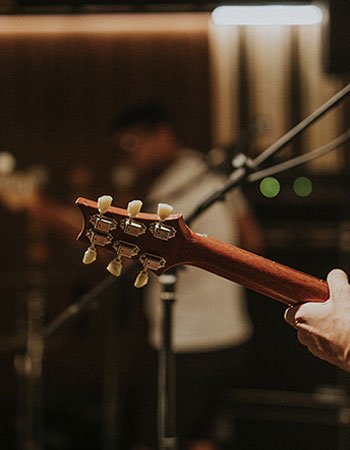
[(90, 255), (131, 226), (164, 210), (104, 203), (115, 266), (141, 279), (134, 208), (157, 228)]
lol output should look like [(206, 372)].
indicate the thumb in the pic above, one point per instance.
[(338, 284)]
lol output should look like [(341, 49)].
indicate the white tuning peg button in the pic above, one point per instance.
[(141, 279), (134, 208), (164, 210), (115, 267), (104, 203), (90, 255)]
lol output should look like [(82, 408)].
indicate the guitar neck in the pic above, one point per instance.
[(267, 277), (262, 275)]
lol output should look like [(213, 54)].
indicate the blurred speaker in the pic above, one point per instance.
[(338, 46)]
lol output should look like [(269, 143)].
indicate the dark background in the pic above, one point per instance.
[(58, 96)]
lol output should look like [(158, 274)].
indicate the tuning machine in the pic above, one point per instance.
[(100, 233), (158, 229), (90, 255), (148, 261), (122, 249), (131, 226)]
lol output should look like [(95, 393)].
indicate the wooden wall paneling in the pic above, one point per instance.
[(60, 93)]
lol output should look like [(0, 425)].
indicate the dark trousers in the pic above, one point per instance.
[(200, 380)]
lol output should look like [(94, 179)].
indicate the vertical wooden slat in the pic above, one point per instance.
[(268, 65), (318, 87), (224, 57)]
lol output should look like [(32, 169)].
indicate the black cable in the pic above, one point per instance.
[(291, 134), (246, 172), (297, 161)]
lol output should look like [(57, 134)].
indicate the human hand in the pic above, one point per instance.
[(324, 328)]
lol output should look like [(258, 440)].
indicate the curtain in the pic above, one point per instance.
[(276, 73)]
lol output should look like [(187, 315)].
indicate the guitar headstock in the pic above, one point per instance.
[(156, 241)]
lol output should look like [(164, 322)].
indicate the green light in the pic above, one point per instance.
[(270, 187), (302, 186)]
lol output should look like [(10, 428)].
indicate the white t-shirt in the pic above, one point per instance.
[(210, 312)]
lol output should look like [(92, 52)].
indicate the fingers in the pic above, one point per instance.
[(305, 338), (338, 284), (299, 315), (316, 346), (306, 315), (337, 275)]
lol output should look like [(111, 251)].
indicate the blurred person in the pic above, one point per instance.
[(211, 325)]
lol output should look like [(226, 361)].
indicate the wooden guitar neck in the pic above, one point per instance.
[(175, 244), (260, 274)]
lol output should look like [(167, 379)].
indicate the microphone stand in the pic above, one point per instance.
[(166, 364), (166, 367), (84, 303), (243, 164), (246, 169)]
